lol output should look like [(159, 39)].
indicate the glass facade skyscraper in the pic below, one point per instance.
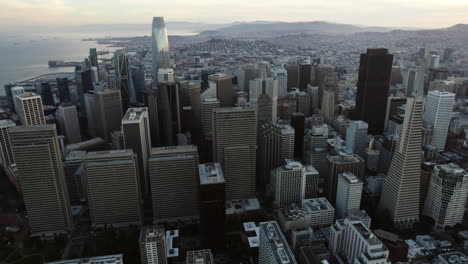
[(160, 47)]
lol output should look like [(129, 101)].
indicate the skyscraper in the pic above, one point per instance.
[(123, 83), (348, 194), (276, 144), (267, 104), (305, 70), (5, 144), (46, 94), (153, 245), (212, 205), (438, 109), (63, 89), (373, 84), (234, 146), (208, 106), (400, 193), (223, 84), (160, 47), (173, 173), (38, 159), (104, 112), (298, 123), (30, 109), (169, 113), (273, 246), (136, 135), (357, 243), (339, 164), (112, 188), (151, 101), (446, 199), (281, 75), (288, 182), (328, 105), (356, 137), (69, 125)]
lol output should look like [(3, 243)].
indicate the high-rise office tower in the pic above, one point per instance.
[(313, 92), (223, 85), (312, 182), (30, 109), (212, 205), (305, 70), (46, 94), (373, 84), (400, 193), (298, 123), (356, 137), (69, 125), (160, 47), (263, 96), (16, 90), (433, 61), (281, 75), (303, 103), (38, 159), (136, 135), (393, 104), (63, 89), (251, 72), (166, 75), (93, 57), (202, 256), (137, 79), (439, 105), (169, 113), (208, 106), (293, 76), (409, 81), (348, 194), (288, 183), (234, 146), (104, 112), (153, 245), (74, 175), (151, 101), (273, 246), (276, 145), (192, 90), (123, 83), (426, 172), (339, 164), (112, 187), (446, 199), (353, 240), (173, 173), (5, 145), (328, 105)]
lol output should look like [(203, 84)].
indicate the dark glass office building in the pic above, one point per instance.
[(373, 84)]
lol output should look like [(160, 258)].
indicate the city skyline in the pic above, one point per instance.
[(400, 13)]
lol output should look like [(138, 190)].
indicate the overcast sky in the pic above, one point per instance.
[(399, 13)]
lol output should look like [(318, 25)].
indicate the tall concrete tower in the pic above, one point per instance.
[(38, 158), (234, 146), (400, 193), (439, 106), (136, 136)]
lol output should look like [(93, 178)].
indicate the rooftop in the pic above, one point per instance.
[(202, 256), (350, 178), (134, 115), (170, 250), (316, 204), (151, 233), (211, 173), (110, 259), (277, 242)]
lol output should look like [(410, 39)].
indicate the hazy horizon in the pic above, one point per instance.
[(50, 14)]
